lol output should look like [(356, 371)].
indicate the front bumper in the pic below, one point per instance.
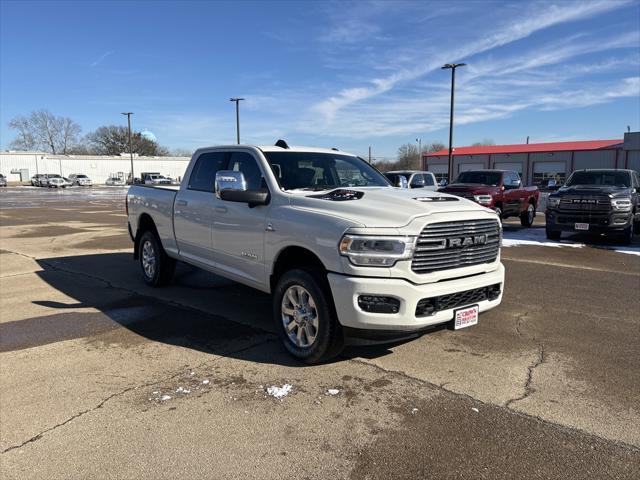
[(346, 291), (558, 220)]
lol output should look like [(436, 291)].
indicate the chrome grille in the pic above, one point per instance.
[(433, 253)]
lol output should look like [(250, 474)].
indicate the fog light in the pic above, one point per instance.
[(493, 291), (425, 307), (378, 304)]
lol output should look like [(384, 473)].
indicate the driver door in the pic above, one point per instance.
[(239, 230)]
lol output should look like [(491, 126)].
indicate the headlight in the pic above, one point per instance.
[(553, 202), (483, 199), (376, 251), (621, 204)]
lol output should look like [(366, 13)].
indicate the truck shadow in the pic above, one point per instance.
[(199, 310)]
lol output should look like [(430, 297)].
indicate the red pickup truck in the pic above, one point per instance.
[(500, 190)]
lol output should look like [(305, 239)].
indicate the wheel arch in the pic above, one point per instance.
[(145, 223), (291, 257)]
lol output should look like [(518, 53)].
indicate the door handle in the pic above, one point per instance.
[(221, 209), (182, 203)]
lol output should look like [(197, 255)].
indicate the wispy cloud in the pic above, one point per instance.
[(539, 16), (101, 58)]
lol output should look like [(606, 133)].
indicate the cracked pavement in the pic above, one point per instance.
[(543, 387)]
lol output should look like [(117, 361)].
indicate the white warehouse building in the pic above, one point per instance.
[(19, 167)]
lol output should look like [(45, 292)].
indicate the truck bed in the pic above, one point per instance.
[(156, 201)]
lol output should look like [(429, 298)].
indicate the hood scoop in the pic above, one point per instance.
[(437, 199), (340, 195)]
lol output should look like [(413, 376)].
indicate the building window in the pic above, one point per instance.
[(544, 172)]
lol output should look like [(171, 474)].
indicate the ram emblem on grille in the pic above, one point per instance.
[(466, 241)]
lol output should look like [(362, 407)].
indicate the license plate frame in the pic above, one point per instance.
[(583, 227), (466, 317)]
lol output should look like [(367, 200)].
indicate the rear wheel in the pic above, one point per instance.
[(157, 267), (527, 217), (553, 234), (304, 316)]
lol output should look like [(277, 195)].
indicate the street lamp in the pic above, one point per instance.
[(237, 100), (453, 67), (419, 142), (128, 114)]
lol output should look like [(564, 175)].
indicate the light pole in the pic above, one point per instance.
[(237, 100), (419, 141), (128, 114), (453, 67)]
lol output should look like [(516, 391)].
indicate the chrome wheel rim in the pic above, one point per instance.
[(530, 213), (299, 316), (148, 259)]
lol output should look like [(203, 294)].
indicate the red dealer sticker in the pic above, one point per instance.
[(466, 317)]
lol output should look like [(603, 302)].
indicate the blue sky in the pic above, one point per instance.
[(345, 74)]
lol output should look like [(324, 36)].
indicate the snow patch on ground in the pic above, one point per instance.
[(538, 237), (279, 392), (333, 391)]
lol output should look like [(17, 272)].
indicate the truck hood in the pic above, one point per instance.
[(458, 188), (595, 190), (384, 207)]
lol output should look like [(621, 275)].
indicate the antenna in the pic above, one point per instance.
[(282, 144)]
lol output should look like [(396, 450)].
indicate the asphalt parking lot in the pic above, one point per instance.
[(103, 377)]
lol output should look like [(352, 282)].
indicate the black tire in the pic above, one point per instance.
[(636, 227), (553, 234), (328, 340), (527, 217), (626, 238), (150, 250)]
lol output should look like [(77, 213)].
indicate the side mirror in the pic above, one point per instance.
[(229, 180), (443, 183), (418, 183), (231, 186)]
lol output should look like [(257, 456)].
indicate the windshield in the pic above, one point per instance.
[(54, 176), (81, 176), (481, 178), (600, 177), (322, 171)]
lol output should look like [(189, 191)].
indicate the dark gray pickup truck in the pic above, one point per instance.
[(598, 201)]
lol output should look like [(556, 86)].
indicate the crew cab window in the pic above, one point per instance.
[(203, 175), (321, 171), (418, 181), (600, 177), (480, 178), (245, 162)]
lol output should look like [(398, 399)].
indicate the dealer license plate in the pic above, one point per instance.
[(465, 317), (581, 226)]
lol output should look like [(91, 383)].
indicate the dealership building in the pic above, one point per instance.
[(537, 163), (19, 167)]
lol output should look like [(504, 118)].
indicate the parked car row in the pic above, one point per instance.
[(3, 180), (53, 180)]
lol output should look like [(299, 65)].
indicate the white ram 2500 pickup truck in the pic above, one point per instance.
[(346, 256)]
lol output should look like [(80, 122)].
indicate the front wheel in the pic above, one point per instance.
[(157, 267), (304, 316), (627, 235), (527, 217), (553, 234)]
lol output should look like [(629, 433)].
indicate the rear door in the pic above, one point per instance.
[(238, 233), (512, 194), (194, 210)]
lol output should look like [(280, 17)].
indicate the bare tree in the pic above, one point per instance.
[(114, 140), (483, 143), (25, 139), (43, 130), (408, 157), (433, 147)]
